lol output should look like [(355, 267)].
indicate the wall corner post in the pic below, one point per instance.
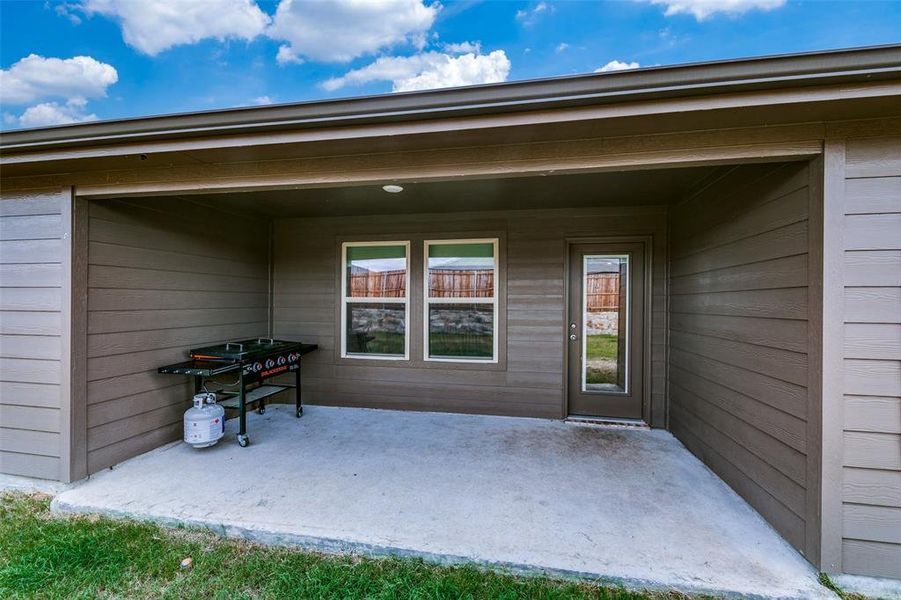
[(73, 391), (826, 374)]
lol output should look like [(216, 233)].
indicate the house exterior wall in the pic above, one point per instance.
[(529, 379), (35, 424), (739, 336), (871, 473), (34, 228), (164, 276)]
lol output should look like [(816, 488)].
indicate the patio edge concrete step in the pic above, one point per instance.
[(335, 546)]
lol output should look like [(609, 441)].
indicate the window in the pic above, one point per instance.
[(605, 322), (460, 308), (375, 300)]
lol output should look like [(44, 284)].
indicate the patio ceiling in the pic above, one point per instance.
[(624, 188)]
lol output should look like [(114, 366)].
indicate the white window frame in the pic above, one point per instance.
[(428, 301), (369, 300)]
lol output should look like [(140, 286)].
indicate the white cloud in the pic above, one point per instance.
[(262, 100), (153, 26), (286, 56), (341, 30), (530, 16), (52, 113), (66, 10), (463, 48), (561, 47), (419, 40), (35, 77), (616, 65), (429, 70), (703, 9)]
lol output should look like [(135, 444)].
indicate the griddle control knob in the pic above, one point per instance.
[(293, 357), (282, 360), (257, 367), (270, 363)]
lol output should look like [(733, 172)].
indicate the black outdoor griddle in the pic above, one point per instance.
[(253, 361)]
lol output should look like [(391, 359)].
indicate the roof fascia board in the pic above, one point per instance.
[(547, 117)]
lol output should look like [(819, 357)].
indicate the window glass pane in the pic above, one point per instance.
[(376, 328), (461, 331), (605, 304), (376, 271), (461, 270)]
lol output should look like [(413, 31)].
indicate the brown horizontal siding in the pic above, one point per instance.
[(872, 450), (876, 487), (872, 352), (775, 423), (738, 335), (31, 254), (163, 277), (869, 558), (529, 379), (777, 498), (29, 465), (871, 522)]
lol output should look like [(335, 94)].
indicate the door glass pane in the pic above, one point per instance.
[(463, 270), (461, 330), (376, 328), (605, 285), (376, 271)]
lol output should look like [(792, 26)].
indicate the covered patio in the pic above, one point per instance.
[(500, 460), (625, 505)]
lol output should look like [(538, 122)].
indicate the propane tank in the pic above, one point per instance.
[(205, 421)]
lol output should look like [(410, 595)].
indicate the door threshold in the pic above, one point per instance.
[(607, 422)]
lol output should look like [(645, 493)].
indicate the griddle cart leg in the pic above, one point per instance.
[(297, 402), (243, 439)]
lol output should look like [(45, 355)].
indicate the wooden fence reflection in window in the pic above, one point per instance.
[(602, 293), (377, 284), (603, 288)]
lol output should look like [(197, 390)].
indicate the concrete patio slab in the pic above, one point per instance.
[(628, 506)]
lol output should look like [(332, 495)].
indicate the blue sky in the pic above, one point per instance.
[(102, 59)]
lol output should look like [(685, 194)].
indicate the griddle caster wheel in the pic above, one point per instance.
[(261, 410), (243, 440), (299, 413)]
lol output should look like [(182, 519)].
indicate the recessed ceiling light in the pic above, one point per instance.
[(392, 189)]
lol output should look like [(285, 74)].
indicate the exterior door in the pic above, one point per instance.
[(605, 330)]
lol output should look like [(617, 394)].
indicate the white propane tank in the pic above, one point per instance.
[(205, 421)]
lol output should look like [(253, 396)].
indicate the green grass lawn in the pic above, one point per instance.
[(461, 344), (440, 344), (46, 556), (383, 343), (601, 346)]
